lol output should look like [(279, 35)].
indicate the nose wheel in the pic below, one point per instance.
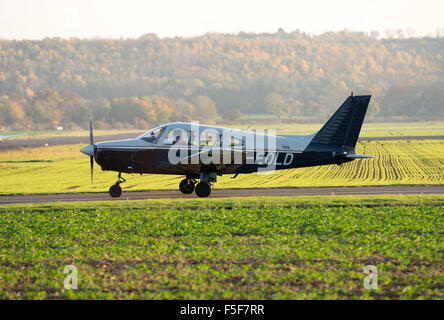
[(115, 190)]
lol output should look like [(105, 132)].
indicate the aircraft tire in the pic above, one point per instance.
[(115, 191), (185, 187), (203, 189)]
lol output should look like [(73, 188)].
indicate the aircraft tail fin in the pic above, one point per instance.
[(343, 128)]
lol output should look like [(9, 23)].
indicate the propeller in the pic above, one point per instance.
[(89, 150)]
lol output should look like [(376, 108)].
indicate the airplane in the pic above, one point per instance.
[(203, 152), (12, 136)]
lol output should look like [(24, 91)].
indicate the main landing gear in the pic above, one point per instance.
[(115, 190), (186, 186), (202, 189)]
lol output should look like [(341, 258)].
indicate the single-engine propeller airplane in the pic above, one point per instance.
[(203, 152)]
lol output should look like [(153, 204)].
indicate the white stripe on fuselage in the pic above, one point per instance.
[(196, 148)]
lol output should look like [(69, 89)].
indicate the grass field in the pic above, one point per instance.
[(251, 248), (380, 129), (63, 169), (383, 129)]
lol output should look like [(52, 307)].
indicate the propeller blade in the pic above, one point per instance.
[(91, 142), (92, 167), (91, 137)]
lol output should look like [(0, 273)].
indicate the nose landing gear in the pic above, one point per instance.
[(115, 190)]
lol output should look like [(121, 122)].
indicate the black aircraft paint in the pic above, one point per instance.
[(334, 143)]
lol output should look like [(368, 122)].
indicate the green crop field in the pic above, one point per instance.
[(250, 248), (63, 169)]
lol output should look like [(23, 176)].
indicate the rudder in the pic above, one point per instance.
[(343, 128)]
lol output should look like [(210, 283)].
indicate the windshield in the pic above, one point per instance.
[(153, 135)]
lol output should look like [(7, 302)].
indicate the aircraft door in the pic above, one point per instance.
[(132, 162)]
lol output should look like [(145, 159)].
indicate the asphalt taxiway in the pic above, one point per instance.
[(223, 193)]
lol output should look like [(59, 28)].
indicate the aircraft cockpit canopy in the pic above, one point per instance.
[(167, 135), (153, 136), (181, 134)]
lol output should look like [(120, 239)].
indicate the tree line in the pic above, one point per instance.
[(149, 80), (50, 109)]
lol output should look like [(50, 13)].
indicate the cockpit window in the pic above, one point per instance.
[(177, 136), (153, 135), (210, 138), (236, 142)]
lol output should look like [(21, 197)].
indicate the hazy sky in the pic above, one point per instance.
[(36, 19)]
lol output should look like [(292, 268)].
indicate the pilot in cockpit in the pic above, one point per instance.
[(178, 141), (154, 135)]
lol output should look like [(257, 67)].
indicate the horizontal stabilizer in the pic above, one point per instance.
[(354, 156)]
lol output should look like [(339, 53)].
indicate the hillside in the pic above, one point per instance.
[(149, 80)]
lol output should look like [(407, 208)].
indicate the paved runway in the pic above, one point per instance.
[(221, 193)]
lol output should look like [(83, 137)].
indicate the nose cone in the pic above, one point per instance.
[(88, 150)]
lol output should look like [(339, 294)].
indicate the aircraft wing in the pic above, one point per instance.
[(219, 157)]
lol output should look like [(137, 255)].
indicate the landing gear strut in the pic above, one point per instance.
[(115, 190), (186, 186)]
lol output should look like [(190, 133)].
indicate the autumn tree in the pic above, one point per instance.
[(277, 105), (205, 109), (11, 113)]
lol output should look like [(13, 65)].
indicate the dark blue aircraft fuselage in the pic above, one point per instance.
[(157, 161)]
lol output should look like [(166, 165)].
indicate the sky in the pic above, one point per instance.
[(37, 19)]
